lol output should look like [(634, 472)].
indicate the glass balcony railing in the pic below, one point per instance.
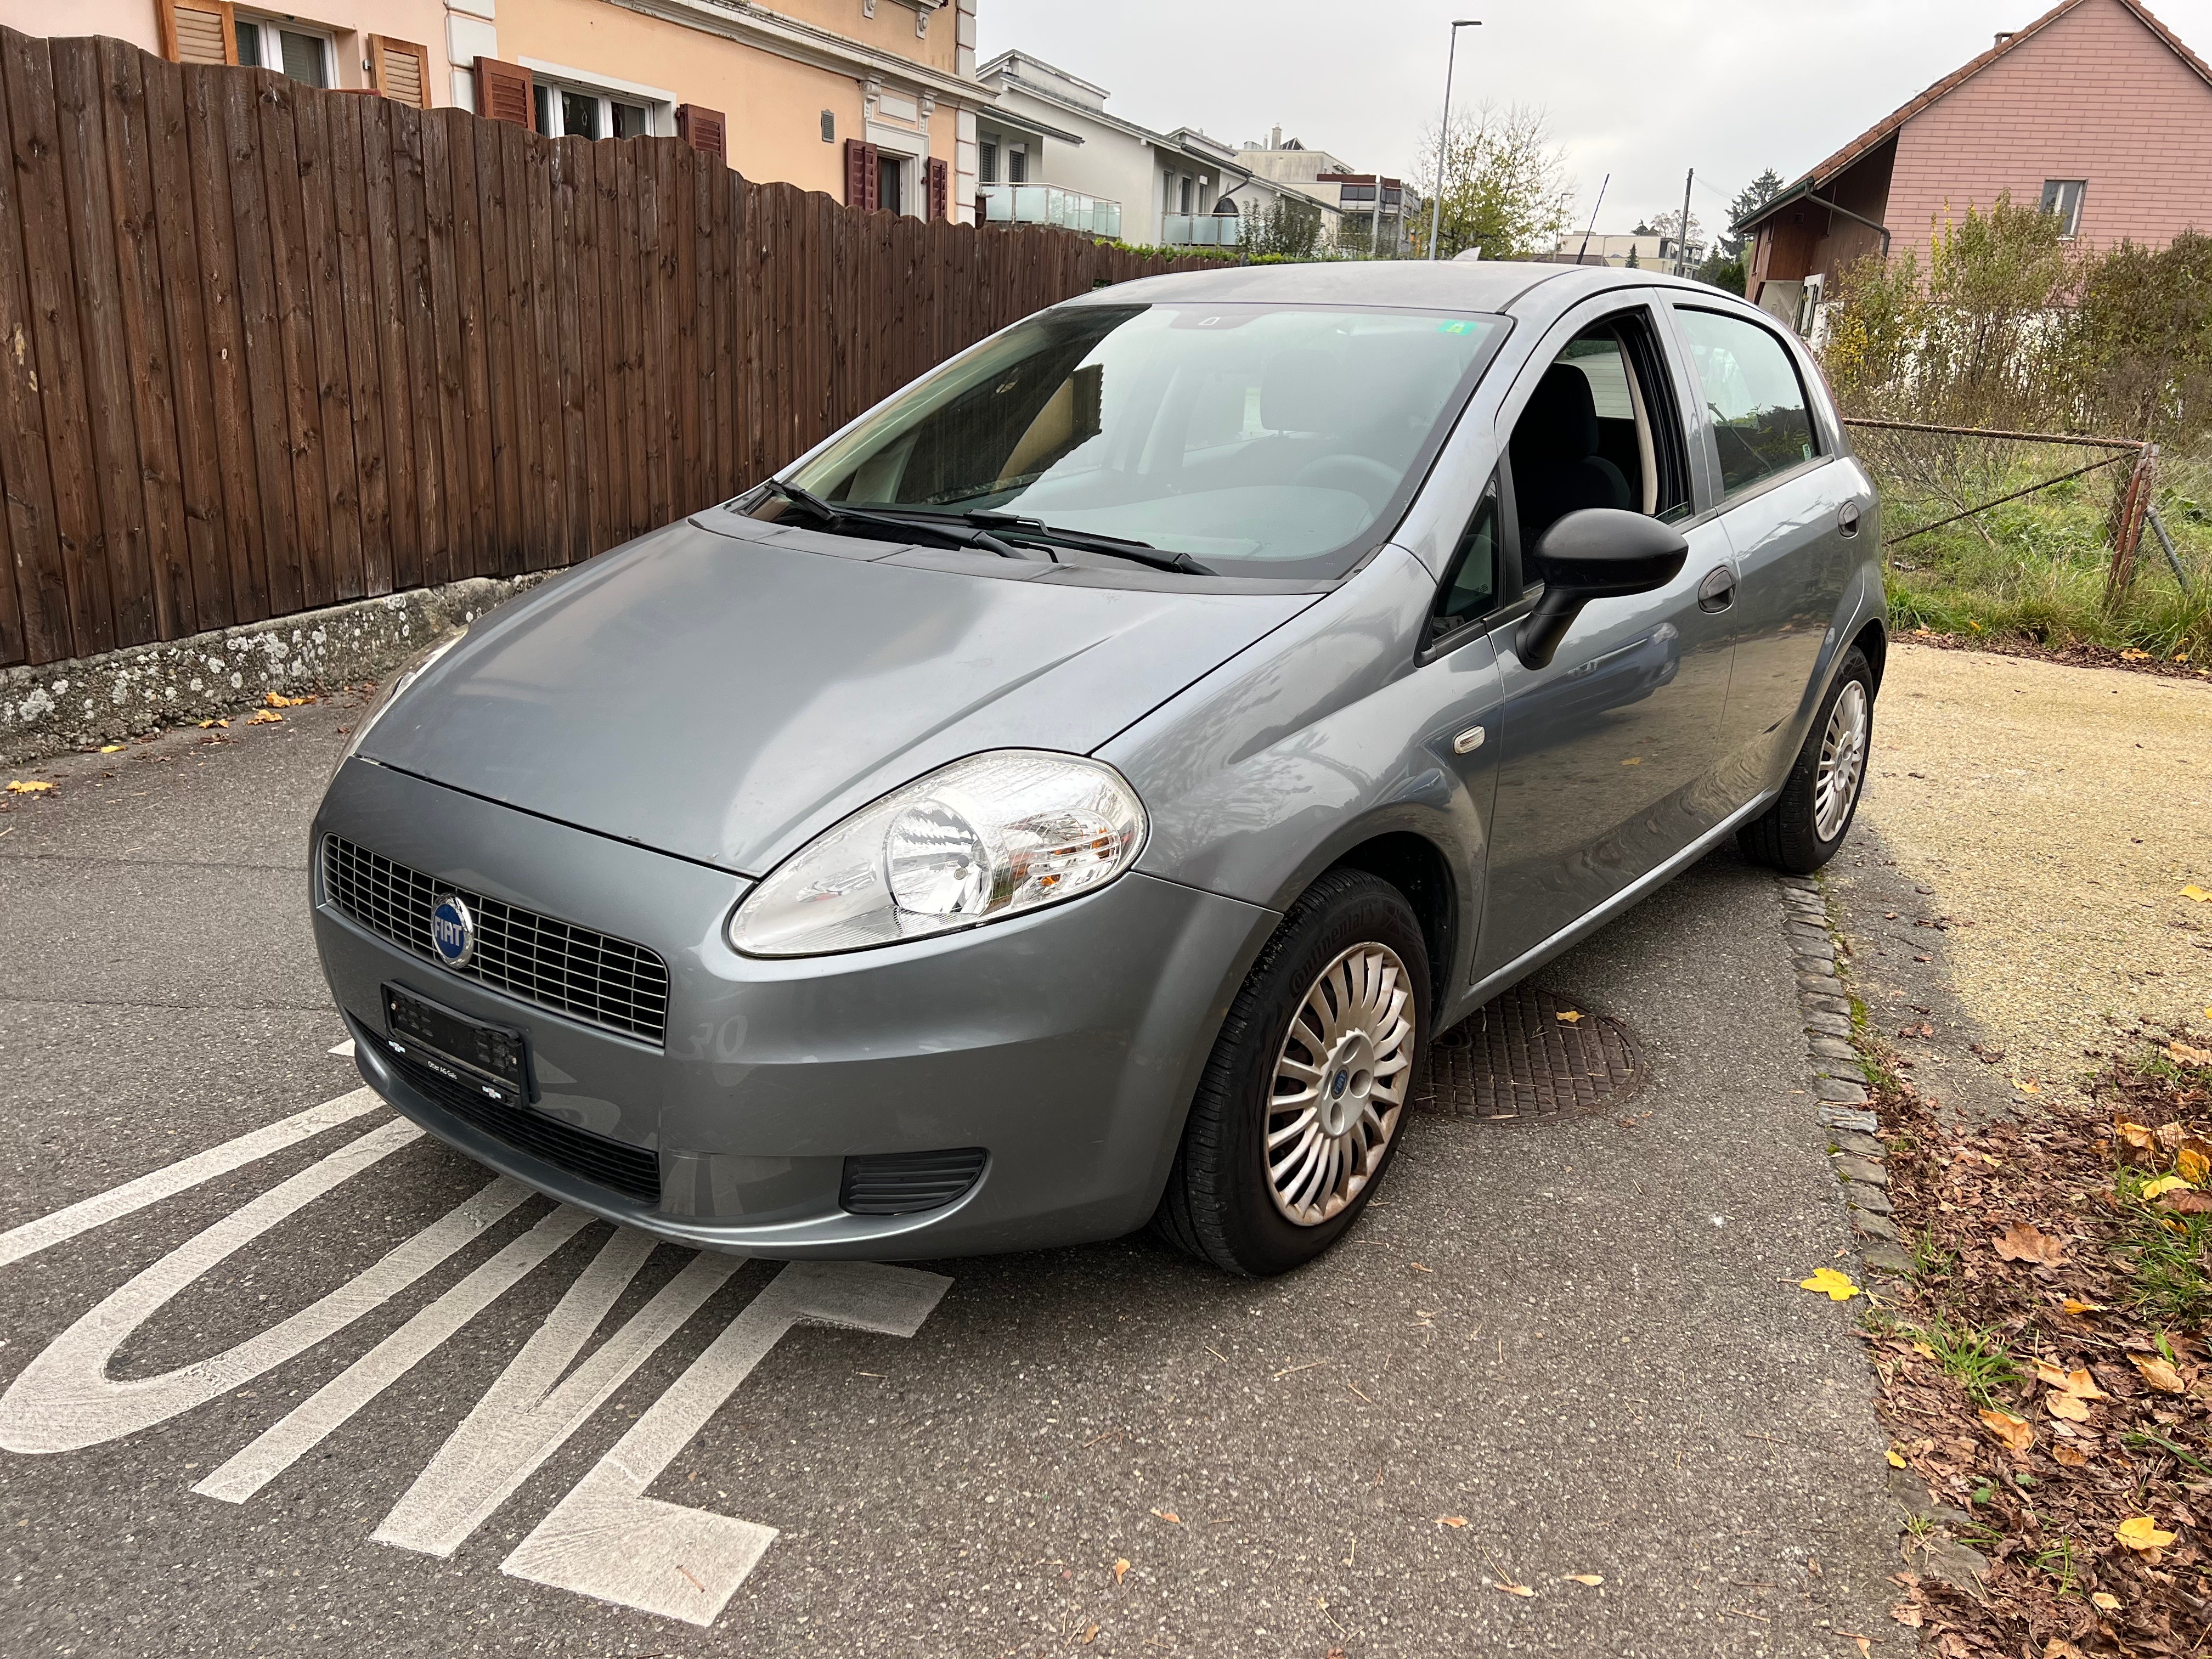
[(1201, 229), (1050, 204)]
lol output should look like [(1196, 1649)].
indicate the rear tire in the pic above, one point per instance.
[(1304, 1101), (1808, 820)]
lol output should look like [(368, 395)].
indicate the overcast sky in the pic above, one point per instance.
[(1642, 89)]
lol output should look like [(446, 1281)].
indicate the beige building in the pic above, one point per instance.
[(873, 101), (1355, 215)]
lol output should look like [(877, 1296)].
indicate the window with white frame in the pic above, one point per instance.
[(299, 50), (577, 109), (2061, 197)]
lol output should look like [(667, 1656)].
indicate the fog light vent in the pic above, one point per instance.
[(900, 1183)]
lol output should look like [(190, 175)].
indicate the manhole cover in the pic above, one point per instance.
[(1517, 1058)]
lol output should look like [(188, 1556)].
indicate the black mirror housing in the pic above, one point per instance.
[(1598, 553)]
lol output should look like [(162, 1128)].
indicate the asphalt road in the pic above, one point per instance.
[(1583, 1340)]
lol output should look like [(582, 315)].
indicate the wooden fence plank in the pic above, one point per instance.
[(38, 620), (443, 319), (501, 554), (527, 532), (364, 360), (326, 316), (723, 187), (410, 191), (571, 157), (544, 377), (402, 557), (629, 264), (655, 209), (300, 573), (473, 330)]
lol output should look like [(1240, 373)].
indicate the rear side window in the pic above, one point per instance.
[(1754, 399)]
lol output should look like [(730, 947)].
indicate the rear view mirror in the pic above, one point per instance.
[(1599, 553)]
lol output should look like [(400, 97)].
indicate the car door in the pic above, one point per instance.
[(1608, 751), (1791, 516)]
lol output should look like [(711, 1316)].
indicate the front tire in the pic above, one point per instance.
[(1807, 822), (1304, 1099)]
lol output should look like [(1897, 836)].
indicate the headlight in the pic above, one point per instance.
[(410, 671), (989, 837)]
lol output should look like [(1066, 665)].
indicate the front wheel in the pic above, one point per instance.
[(1808, 820), (1299, 1112)]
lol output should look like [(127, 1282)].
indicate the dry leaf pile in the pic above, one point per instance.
[(2044, 1371)]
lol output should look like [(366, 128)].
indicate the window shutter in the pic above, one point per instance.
[(940, 188), (197, 31), (704, 130), (399, 69), (863, 174), (504, 93)]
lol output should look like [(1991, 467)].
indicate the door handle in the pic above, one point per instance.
[(1847, 518), (1718, 591)]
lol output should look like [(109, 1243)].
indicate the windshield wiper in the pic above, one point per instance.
[(1120, 547), (831, 515)]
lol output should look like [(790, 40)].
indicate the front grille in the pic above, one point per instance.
[(631, 1170), (556, 964), (899, 1183)]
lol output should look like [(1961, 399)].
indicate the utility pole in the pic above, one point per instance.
[(1374, 237), (1444, 134), (1682, 230)]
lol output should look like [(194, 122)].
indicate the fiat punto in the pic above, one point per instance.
[(1071, 796)]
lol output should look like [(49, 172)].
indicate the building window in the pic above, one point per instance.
[(1018, 164), (631, 120), (2062, 197), (986, 162), (580, 114), (567, 110), (303, 55), (888, 172), (828, 127)]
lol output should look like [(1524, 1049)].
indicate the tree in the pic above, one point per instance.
[(1748, 201), (1634, 263), (1291, 229), (1669, 225), (1505, 187)]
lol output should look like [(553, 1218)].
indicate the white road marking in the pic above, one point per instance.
[(68, 1222), (299, 1430), (524, 1418), (607, 1540), (64, 1400), (342, 1050)]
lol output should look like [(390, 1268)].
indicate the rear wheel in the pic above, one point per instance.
[(1807, 822), (1299, 1113)]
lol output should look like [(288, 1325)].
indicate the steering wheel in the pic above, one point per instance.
[(1362, 475)]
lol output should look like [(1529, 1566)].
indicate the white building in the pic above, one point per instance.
[(1048, 151)]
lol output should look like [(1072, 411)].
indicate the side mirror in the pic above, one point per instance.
[(1599, 553)]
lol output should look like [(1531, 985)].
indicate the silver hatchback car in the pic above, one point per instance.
[(1072, 796)]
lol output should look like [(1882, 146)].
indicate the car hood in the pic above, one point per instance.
[(724, 694)]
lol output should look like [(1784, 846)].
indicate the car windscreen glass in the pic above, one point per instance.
[(1261, 440)]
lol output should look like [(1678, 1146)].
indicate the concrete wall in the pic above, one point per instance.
[(2094, 95)]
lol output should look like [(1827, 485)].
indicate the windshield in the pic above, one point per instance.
[(1258, 440)]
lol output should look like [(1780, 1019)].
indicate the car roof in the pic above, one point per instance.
[(1515, 287)]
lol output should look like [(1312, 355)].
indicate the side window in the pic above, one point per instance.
[(1470, 586), (1753, 398)]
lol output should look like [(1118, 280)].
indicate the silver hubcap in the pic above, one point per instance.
[(1340, 1084), (1842, 761)]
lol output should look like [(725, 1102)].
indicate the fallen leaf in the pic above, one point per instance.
[(2011, 1432), (2059, 1648), (2134, 1137), (2069, 1305), (2027, 1085), (1451, 1520), (20, 786), (2133, 655), (1826, 1281), (2082, 1386), (2186, 1201), (2193, 891), (1593, 1579), (264, 717), (2141, 1534), (2072, 1457), (2194, 1159), (2050, 1375), (1896, 1460), (1121, 1570), (111, 749), (2163, 1185), (2106, 1599), (2071, 1407), (1089, 1636), (1906, 1613), (1569, 1016), (2023, 1242), (1170, 1517), (1865, 1648), (278, 700), (1923, 1029), (2156, 1373), (1514, 1590), (225, 724), (2181, 1053)]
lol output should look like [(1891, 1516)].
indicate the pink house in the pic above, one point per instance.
[(2096, 110)]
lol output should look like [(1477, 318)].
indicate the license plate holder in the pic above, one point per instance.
[(475, 1054)]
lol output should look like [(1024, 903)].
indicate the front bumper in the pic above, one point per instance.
[(1067, 1044)]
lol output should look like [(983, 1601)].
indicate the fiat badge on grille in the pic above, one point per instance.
[(453, 932)]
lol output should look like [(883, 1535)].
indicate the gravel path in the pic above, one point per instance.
[(2060, 811)]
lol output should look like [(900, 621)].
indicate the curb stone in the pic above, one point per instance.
[(1840, 1080)]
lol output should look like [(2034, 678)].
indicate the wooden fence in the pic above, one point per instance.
[(264, 348)]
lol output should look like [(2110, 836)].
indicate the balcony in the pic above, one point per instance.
[(1201, 229), (1050, 204)]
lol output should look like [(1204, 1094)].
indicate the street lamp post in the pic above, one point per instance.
[(1444, 136)]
